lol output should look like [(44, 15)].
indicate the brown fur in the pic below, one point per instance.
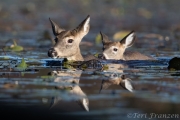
[(130, 55), (65, 49), (121, 46)]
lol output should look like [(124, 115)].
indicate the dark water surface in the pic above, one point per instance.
[(54, 92)]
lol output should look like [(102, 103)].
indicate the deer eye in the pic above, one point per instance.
[(70, 40), (115, 49)]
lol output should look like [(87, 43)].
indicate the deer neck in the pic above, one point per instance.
[(76, 57), (121, 57)]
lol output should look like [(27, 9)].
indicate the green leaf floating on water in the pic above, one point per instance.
[(22, 66), (68, 64), (14, 47), (96, 55)]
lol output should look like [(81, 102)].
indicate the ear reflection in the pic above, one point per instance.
[(68, 92), (115, 76)]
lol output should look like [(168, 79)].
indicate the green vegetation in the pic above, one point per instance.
[(105, 67), (14, 47), (98, 39), (22, 66), (68, 64)]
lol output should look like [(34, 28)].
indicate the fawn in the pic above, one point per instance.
[(117, 50), (67, 41)]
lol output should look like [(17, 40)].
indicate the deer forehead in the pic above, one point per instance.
[(112, 45), (67, 34)]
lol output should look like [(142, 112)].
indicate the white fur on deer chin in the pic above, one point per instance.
[(55, 57)]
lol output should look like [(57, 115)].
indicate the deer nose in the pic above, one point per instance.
[(52, 52), (101, 56)]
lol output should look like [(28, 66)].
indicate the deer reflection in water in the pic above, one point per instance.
[(70, 92), (115, 76)]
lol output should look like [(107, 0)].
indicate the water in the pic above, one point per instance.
[(56, 92)]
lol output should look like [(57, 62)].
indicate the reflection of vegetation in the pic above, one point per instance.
[(13, 47), (105, 67), (4, 58), (68, 64), (34, 63), (47, 77), (93, 64)]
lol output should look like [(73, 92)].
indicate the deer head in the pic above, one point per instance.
[(115, 50), (67, 41)]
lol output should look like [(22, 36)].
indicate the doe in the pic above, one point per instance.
[(67, 41)]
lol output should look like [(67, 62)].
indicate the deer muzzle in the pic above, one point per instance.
[(52, 53)]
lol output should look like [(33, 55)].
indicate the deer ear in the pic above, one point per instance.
[(104, 85), (127, 84), (104, 38), (84, 26), (85, 104), (128, 40), (55, 28)]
